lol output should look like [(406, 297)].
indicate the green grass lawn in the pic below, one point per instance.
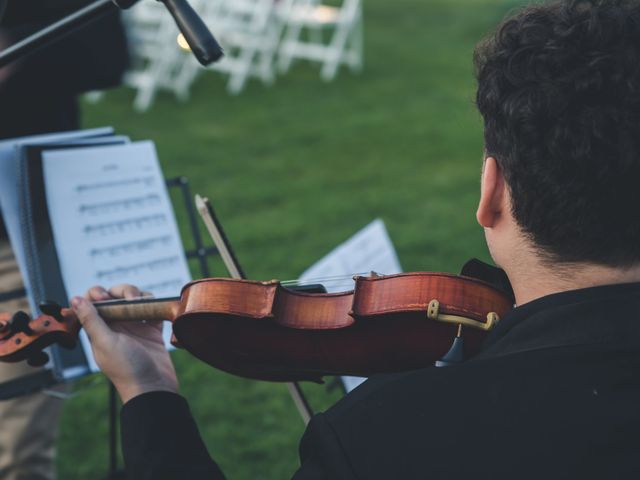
[(297, 168)]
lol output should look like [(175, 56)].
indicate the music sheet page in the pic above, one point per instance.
[(113, 221)]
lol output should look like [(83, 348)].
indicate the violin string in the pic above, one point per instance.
[(317, 279), (323, 279), (334, 287)]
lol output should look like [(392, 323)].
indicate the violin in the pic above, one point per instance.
[(267, 331)]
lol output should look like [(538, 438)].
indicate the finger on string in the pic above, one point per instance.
[(126, 291), (97, 294), (89, 318)]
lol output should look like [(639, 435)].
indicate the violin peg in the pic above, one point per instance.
[(20, 323), (38, 359), (53, 309), (5, 319)]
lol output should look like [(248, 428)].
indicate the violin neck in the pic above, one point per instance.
[(152, 309)]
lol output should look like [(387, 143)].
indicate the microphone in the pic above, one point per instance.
[(202, 43)]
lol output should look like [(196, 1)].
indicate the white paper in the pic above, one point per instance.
[(113, 222), (369, 250)]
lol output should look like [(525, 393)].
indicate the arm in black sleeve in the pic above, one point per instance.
[(160, 440)]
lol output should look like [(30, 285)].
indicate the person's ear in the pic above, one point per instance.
[(492, 194)]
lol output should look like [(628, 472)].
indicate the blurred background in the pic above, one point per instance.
[(296, 156)]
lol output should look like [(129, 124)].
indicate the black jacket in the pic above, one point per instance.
[(555, 393)]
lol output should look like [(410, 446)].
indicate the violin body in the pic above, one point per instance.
[(382, 326), (263, 330)]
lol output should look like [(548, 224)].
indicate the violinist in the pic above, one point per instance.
[(554, 393)]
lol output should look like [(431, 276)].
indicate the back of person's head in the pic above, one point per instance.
[(559, 91)]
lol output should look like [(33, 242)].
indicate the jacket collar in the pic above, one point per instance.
[(608, 315)]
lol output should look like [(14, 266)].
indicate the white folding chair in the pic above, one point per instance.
[(158, 62), (249, 33), (304, 35)]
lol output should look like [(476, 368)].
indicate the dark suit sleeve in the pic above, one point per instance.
[(160, 440), (322, 456)]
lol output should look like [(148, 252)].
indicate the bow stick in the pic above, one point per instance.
[(235, 270)]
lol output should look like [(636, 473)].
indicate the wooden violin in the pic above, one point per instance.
[(266, 331)]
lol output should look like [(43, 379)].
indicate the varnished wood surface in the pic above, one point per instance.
[(463, 296)]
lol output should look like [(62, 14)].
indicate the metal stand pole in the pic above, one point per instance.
[(56, 31), (114, 472)]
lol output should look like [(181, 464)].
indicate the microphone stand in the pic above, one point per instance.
[(56, 30), (3, 7), (203, 44)]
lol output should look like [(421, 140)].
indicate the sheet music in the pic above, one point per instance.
[(368, 250), (113, 222)]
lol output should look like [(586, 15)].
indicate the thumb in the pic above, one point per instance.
[(90, 320)]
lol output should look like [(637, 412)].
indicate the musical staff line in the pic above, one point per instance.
[(175, 284), (137, 268), (115, 206), (127, 182), (130, 247), (119, 226)]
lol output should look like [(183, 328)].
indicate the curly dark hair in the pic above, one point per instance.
[(559, 92)]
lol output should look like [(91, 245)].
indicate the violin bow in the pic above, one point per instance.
[(221, 242)]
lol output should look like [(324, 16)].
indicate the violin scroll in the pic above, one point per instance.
[(23, 338)]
